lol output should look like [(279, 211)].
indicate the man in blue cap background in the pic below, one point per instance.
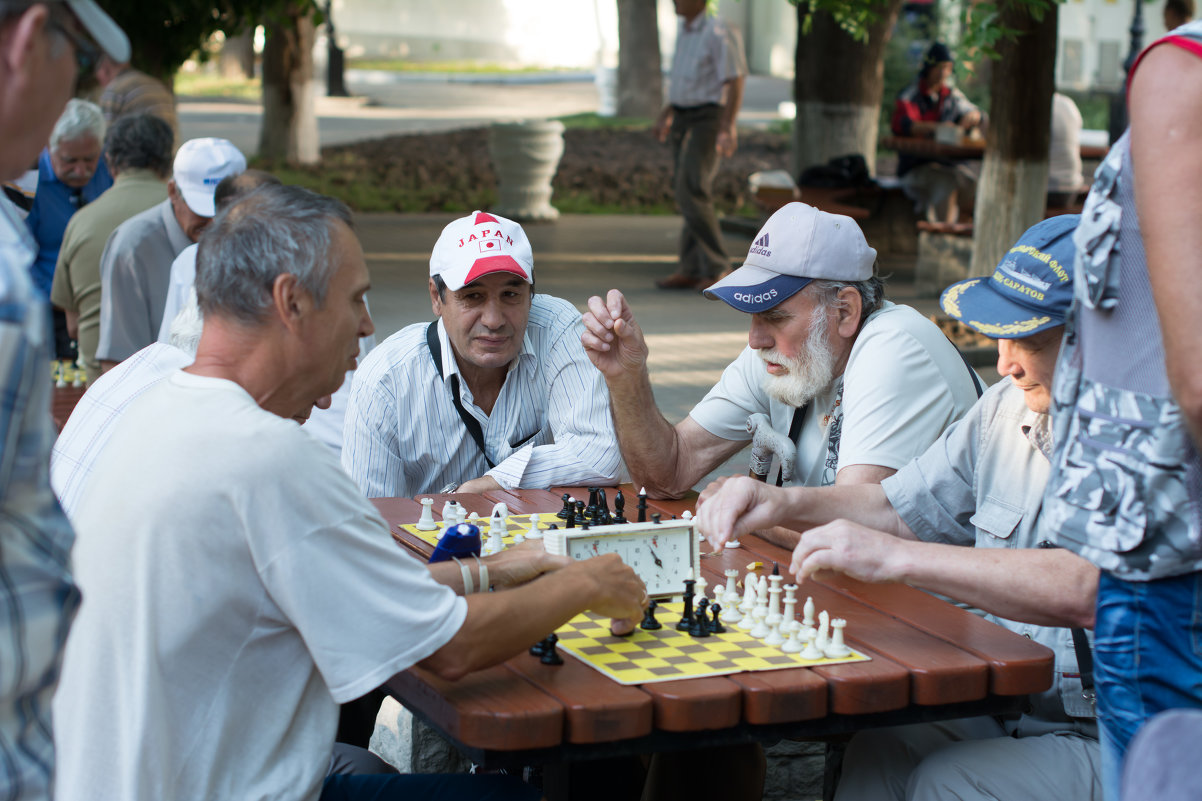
[(959, 520), (859, 385)]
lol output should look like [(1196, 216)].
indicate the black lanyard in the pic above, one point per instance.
[(472, 424)]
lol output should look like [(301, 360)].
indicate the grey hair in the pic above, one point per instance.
[(872, 293), (140, 141), (78, 119), (274, 230), (187, 326)]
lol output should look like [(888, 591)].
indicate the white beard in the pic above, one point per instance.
[(808, 376)]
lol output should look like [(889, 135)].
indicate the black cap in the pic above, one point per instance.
[(937, 53)]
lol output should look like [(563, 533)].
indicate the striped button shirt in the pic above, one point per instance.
[(37, 596), (550, 424), (708, 54)]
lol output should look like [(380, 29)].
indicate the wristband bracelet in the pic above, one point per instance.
[(484, 585), (469, 586)]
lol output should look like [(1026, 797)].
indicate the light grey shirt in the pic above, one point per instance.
[(708, 54), (134, 273), (981, 485)]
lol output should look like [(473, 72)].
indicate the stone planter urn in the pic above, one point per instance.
[(525, 156)]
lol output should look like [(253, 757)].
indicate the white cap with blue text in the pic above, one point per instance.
[(798, 244), (200, 165)]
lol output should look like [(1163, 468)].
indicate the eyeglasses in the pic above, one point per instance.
[(87, 53)]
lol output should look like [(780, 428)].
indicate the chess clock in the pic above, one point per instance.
[(664, 554)]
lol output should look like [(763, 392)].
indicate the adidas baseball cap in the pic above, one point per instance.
[(200, 165), (479, 244), (798, 244), (1030, 289)]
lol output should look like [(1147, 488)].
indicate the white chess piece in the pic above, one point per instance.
[(699, 587), (793, 644), (773, 616), (730, 597), (60, 373), (426, 521), (775, 637), (759, 627), (811, 651), (823, 639), (448, 510), (837, 648), (807, 622), (534, 532), (686, 515), (748, 602), (789, 621)]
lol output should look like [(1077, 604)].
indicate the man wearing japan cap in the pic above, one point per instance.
[(495, 393), (861, 385), (960, 520), (135, 269), (44, 48)]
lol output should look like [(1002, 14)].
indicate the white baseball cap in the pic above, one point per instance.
[(100, 26), (200, 165), (798, 244), (479, 244)]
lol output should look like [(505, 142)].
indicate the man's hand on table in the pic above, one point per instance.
[(617, 591), (736, 505), (852, 549), (478, 485), (521, 563)]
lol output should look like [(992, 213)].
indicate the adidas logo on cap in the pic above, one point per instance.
[(760, 247)]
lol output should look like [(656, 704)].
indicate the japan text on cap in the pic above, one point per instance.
[(200, 165), (100, 26), (1030, 289), (479, 244), (798, 244)]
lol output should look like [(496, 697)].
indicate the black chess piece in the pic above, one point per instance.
[(642, 509), (686, 620), (603, 516), (566, 511), (592, 496), (620, 507), (649, 622), (776, 568), (571, 522), (655, 518), (716, 626), (580, 515), (701, 621), (539, 648), (550, 654)]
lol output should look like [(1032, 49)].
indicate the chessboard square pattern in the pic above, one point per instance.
[(666, 654), (516, 524)]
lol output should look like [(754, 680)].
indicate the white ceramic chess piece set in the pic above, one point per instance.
[(759, 613)]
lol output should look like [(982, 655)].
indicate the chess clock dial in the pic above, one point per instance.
[(664, 554)]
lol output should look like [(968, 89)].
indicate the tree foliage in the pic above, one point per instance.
[(166, 33)]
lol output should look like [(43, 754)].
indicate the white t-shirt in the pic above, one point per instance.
[(904, 383), (237, 588)]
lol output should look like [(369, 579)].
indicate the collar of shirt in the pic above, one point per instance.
[(175, 233), (1037, 428), (450, 365), (46, 169), (696, 24)]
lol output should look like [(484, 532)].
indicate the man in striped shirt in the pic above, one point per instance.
[(497, 393)]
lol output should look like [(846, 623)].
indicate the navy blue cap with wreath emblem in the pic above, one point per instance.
[(1030, 289)]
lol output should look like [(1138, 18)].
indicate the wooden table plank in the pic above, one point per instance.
[(1018, 666), (488, 709), (596, 709), (696, 704)]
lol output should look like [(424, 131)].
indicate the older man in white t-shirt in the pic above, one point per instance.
[(859, 384)]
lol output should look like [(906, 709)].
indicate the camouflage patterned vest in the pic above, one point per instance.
[(1126, 484)]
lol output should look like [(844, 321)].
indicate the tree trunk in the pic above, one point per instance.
[(1012, 191), (237, 58), (837, 87), (289, 128), (640, 78)]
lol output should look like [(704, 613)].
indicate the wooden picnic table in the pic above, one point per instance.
[(967, 149), (930, 660)]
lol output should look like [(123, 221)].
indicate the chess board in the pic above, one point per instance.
[(517, 523), (667, 654)]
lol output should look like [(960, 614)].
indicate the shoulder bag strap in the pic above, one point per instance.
[(471, 423)]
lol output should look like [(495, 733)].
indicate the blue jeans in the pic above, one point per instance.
[(1148, 658)]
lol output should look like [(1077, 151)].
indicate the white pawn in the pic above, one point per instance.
[(61, 373), (759, 627), (793, 644), (699, 587), (686, 515), (776, 636), (78, 382), (426, 521), (461, 515), (837, 648), (534, 532), (823, 639), (811, 651), (494, 544)]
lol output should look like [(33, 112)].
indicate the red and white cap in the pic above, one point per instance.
[(479, 244)]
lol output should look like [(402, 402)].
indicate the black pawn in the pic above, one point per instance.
[(642, 509), (649, 622), (655, 518), (571, 523), (566, 511), (580, 515), (620, 507), (686, 620), (603, 516), (716, 626), (701, 621), (539, 648), (550, 654)]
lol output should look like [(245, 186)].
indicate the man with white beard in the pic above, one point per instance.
[(861, 385)]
